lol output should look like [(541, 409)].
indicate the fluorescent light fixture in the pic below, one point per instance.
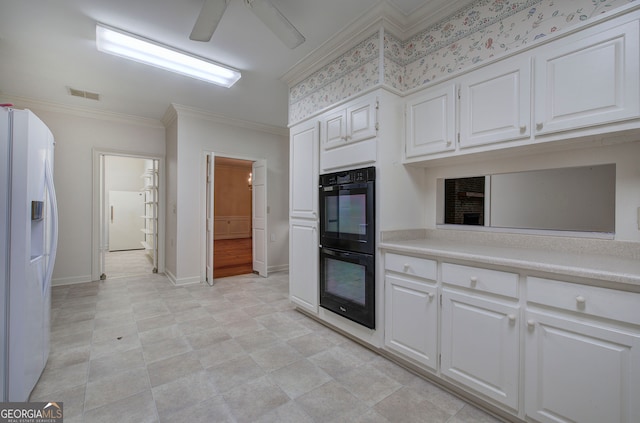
[(123, 44)]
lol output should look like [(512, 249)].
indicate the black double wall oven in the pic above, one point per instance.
[(347, 244)]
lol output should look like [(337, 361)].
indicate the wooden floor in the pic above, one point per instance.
[(232, 257)]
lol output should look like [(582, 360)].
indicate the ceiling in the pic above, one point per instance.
[(48, 47)]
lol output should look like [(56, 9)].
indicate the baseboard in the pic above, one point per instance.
[(71, 281), (278, 268), (183, 281)]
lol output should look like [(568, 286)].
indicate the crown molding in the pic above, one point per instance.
[(353, 33), (181, 110), (52, 107), (383, 15)]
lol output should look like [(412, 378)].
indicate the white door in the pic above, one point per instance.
[(259, 227), (495, 103), (126, 209), (303, 264), (303, 192), (588, 81), (430, 121), (408, 302), (210, 217), (480, 345), (580, 371)]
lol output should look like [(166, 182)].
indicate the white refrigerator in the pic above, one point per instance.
[(28, 238)]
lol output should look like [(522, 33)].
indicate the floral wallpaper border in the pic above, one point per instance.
[(475, 33)]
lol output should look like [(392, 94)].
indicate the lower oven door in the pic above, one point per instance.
[(347, 285)]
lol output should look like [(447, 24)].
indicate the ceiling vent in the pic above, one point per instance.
[(84, 94)]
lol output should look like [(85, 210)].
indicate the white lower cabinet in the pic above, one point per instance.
[(579, 367), (303, 264), (411, 319), (542, 350), (481, 345)]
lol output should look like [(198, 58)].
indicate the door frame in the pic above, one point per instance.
[(99, 220), (203, 208)]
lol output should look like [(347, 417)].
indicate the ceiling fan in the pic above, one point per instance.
[(212, 12)]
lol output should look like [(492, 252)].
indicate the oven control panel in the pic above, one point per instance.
[(366, 174)]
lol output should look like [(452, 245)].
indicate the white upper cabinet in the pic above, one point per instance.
[(348, 134), (353, 122), (431, 121), (582, 84), (495, 103), (587, 79), (303, 193)]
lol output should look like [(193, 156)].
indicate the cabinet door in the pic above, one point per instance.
[(480, 345), (334, 129), (580, 371), (361, 120), (303, 264), (586, 81), (495, 103), (304, 163), (430, 122), (411, 319), (350, 123)]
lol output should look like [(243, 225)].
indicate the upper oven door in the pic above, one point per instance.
[(347, 217)]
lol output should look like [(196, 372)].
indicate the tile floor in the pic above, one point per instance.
[(118, 264), (138, 349)]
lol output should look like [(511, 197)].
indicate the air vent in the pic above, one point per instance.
[(84, 94)]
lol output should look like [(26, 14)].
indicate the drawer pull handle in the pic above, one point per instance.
[(512, 318), (531, 323), (580, 300)]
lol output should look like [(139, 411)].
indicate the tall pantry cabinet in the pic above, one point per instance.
[(303, 213)]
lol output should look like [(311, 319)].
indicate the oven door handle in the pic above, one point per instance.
[(337, 253)]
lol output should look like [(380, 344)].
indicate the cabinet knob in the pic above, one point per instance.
[(431, 295), (531, 323), (449, 143), (406, 267), (473, 280), (580, 300), (539, 125), (512, 318), (523, 129)]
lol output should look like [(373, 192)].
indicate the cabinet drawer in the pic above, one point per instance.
[(485, 280), (413, 266), (591, 300)]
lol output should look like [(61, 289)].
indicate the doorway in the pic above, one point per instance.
[(235, 217), (233, 253), (128, 204)]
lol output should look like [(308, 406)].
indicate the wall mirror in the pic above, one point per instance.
[(576, 199)]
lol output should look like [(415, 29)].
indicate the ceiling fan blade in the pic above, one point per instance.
[(208, 19), (276, 22)]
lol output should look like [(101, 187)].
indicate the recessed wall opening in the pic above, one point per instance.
[(572, 200), (464, 201)]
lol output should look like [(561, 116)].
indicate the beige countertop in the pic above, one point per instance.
[(582, 267)]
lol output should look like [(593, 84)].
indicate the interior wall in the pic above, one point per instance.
[(624, 156), (77, 133), (197, 134)]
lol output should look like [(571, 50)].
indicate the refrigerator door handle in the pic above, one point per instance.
[(48, 177)]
